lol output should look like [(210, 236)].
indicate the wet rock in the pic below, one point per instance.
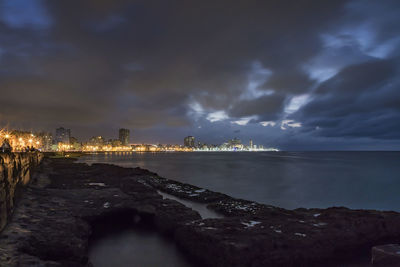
[(171, 215), (185, 191), (55, 217), (66, 201)]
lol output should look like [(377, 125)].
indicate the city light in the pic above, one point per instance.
[(22, 141)]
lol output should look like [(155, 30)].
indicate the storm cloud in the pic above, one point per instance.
[(282, 73)]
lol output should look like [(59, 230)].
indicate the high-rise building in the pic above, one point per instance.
[(251, 144), (63, 135), (188, 141), (124, 136), (45, 139)]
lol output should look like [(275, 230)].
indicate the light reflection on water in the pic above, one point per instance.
[(135, 247), (201, 208)]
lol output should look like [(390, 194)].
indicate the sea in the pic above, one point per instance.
[(358, 180)]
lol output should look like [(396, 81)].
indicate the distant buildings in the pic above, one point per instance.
[(97, 141), (75, 144), (63, 135), (235, 143), (63, 141), (46, 140), (21, 140), (188, 141), (124, 136), (115, 142)]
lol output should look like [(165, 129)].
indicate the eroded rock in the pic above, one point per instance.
[(56, 216)]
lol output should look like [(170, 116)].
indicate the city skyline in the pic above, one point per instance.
[(63, 135), (21, 141), (309, 75)]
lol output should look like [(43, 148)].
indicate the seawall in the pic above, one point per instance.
[(15, 173)]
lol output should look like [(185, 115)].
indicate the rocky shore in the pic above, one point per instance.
[(66, 203)]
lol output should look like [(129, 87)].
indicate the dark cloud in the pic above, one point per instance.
[(360, 101), (359, 78), (292, 81), (267, 107), (164, 66)]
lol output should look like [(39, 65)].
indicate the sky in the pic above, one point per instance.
[(296, 75)]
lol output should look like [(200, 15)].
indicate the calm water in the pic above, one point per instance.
[(367, 180), (135, 247)]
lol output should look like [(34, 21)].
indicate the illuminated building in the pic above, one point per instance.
[(115, 143), (97, 141), (235, 143), (124, 136), (21, 140), (46, 140), (63, 135), (74, 144), (188, 141)]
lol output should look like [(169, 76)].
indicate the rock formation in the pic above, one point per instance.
[(66, 201)]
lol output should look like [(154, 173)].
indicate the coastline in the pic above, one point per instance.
[(66, 201)]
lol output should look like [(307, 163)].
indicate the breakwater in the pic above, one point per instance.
[(15, 172)]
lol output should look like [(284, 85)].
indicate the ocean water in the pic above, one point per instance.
[(360, 180)]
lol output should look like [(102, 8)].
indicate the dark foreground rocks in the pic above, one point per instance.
[(67, 201)]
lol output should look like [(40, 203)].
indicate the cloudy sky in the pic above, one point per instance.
[(296, 75)]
